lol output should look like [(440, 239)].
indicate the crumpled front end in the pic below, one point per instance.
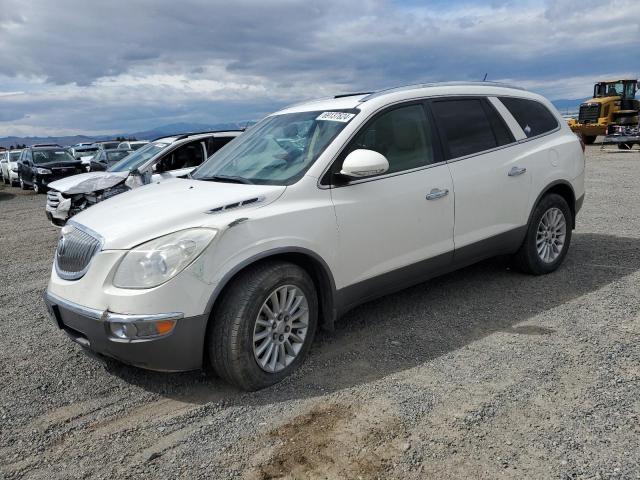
[(62, 206)]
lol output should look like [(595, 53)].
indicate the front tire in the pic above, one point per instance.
[(625, 146), (264, 326), (548, 236), (23, 185), (37, 188)]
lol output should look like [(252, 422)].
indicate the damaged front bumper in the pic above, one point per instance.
[(57, 208)]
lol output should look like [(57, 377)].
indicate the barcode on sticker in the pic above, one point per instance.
[(336, 116)]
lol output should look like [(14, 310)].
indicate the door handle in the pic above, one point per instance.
[(436, 193), (515, 171)]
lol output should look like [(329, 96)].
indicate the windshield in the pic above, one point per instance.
[(138, 158), (277, 150), (110, 145), (14, 156), (116, 156), (609, 89), (46, 156), (136, 146)]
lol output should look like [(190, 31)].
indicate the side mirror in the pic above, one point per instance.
[(363, 163)]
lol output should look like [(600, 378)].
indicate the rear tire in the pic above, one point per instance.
[(625, 146), (23, 185), (243, 331), (548, 236), (588, 139)]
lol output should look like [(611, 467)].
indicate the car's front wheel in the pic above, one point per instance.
[(548, 236), (264, 325)]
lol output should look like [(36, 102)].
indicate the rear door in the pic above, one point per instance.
[(490, 179), (180, 161)]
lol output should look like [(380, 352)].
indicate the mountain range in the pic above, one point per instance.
[(161, 131), (565, 106)]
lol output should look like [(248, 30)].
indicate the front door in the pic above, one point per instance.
[(396, 228)]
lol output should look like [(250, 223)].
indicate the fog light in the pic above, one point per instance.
[(124, 330), (141, 329)]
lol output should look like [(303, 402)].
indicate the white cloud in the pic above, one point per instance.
[(125, 65)]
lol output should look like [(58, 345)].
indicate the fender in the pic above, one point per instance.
[(327, 299)]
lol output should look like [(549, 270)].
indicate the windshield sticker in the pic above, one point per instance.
[(336, 116)]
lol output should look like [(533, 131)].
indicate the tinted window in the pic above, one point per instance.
[(189, 155), (214, 144), (402, 135), (464, 126), (533, 117)]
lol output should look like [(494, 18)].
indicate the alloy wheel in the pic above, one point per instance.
[(281, 328), (551, 235)]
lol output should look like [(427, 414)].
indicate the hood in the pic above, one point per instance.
[(88, 182), (148, 212)]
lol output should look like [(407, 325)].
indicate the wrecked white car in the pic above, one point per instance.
[(164, 158)]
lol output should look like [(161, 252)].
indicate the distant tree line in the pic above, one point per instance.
[(18, 146)]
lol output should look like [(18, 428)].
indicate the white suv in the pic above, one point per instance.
[(315, 209)]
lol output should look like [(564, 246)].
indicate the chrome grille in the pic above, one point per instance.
[(74, 252)]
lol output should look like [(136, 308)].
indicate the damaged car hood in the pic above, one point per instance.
[(88, 182), (157, 209)]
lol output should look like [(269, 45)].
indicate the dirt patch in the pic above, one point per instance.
[(330, 441)]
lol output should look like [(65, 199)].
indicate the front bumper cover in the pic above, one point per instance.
[(180, 350)]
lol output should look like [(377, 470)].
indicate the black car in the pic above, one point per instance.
[(39, 165), (105, 158)]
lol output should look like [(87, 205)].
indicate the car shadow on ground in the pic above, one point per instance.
[(414, 326), (5, 195)]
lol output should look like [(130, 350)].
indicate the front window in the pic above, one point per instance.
[(609, 90), (116, 156), (139, 157), (276, 151), (46, 156)]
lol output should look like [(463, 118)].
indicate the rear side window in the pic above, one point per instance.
[(533, 117), (469, 126), (213, 144), (402, 135)]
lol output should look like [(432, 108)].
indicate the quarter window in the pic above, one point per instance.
[(466, 126), (533, 117), (401, 135)]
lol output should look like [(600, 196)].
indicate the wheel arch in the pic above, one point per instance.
[(565, 190), (310, 261)]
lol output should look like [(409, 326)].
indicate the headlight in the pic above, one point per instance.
[(43, 171), (155, 262)]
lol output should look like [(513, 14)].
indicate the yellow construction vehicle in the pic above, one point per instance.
[(613, 103)]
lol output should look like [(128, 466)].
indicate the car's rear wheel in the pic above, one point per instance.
[(588, 139), (264, 325), (548, 236), (23, 185), (625, 146)]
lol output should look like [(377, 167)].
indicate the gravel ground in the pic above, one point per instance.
[(483, 373)]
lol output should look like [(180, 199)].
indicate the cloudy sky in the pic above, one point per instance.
[(90, 66)]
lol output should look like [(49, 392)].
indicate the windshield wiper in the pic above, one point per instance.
[(227, 179)]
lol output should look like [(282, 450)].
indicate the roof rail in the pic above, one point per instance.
[(343, 95), (182, 136), (39, 145), (437, 84)]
